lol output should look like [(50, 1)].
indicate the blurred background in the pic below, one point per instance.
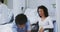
[(30, 7), (17, 5)]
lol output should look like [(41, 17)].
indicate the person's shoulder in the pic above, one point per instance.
[(3, 5), (14, 28), (27, 22), (49, 18)]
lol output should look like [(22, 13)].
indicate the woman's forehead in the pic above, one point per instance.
[(40, 9)]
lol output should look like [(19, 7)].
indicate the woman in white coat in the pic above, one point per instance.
[(45, 20), (5, 17), (5, 13)]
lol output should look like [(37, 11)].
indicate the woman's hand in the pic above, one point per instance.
[(41, 29)]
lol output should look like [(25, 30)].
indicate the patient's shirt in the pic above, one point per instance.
[(47, 23), (26, 28)]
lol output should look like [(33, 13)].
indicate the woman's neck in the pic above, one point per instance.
[(43, 18)]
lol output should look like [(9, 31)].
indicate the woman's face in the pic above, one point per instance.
[(41, 12)]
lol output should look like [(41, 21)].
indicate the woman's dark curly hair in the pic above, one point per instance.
[(44, 9)]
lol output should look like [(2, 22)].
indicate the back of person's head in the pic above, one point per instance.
[(20, 19), (1, 1), (44, 9)]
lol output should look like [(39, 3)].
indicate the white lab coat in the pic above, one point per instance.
[(5, 16), (47, 23)]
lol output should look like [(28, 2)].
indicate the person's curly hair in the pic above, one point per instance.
[(20, 19)]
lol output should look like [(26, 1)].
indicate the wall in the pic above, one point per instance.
[(47, 3), (10, 4), (58, 14), (17, 4), (36, 3)]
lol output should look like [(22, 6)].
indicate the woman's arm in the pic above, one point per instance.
[(41, 29)]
